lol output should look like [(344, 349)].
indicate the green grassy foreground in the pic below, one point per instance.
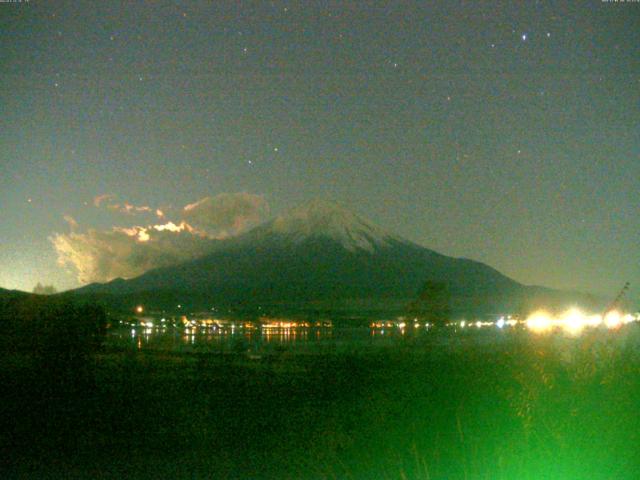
[(539, 408)]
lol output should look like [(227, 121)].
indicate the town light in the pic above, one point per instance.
[(613, 319), (573, 321), (539, 322)]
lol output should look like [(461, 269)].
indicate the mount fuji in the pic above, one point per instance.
[(319, 256)]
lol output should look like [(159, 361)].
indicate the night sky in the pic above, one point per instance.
[(506, 132)]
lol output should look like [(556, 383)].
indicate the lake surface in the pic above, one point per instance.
[(252, 338)]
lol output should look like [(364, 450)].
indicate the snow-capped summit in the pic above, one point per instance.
[(322, 219)]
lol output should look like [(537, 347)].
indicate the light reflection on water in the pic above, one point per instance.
[(306, 337), (245, 339), (220, 339), (300, 340)]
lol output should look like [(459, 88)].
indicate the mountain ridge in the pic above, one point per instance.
[(321, 253)]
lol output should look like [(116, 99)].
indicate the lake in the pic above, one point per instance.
[(297, 337)]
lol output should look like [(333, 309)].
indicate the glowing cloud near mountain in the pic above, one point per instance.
[(102, 255)]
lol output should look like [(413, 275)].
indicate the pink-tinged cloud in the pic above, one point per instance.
[(108, 201), (73, 224), (100, 199), (129, 209)]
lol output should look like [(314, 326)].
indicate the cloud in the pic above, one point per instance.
[(71, 222), (102, 255), (129, 209), (225, 214), (108, 201), (97, 201)]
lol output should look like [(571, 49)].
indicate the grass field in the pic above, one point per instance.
[(534, 408)]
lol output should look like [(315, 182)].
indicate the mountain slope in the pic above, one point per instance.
[(321, 254), (9, 299), (6, 295)]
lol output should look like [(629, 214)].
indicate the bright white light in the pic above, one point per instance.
[(613, 319), (573, 321), (593, 320), (500, 322), (628, 318), (539, 322)]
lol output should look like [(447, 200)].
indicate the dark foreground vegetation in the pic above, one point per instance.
[(545, 408)]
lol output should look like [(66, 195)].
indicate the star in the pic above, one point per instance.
[(524, 37), (548, 34), (275, 149)]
